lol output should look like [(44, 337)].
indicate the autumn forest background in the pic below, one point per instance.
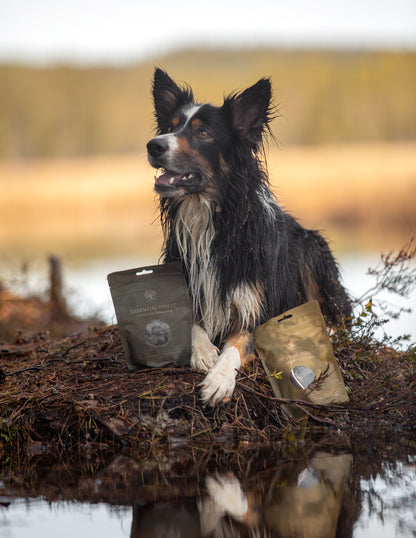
[(323, 97)]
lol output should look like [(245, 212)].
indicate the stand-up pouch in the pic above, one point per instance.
[(154, 315), (298, 358)]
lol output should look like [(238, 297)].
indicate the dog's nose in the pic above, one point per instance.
[(157, 147)]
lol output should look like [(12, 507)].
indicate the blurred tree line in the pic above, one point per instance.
[(323, 97)]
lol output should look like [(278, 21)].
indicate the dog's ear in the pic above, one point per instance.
[(167, 98), (251, 110)]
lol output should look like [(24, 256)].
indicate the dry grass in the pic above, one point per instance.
[(103, 204), (362, 195)]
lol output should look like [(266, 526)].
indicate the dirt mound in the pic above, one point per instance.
[(76, 392)]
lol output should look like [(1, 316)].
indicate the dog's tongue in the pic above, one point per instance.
[(167, 178)]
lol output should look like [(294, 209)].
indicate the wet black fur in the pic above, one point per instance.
[(250, 245)]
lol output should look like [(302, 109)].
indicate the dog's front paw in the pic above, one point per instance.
[(226, 491), (220, 380), (225, 496), (204, 353)]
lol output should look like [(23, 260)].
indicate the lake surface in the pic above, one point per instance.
[(325, 495), (89, 293)]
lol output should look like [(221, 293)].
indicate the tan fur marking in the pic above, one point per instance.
[(193, 155), (243, 342), (175, 122), (202, 163), (196, 123), (183, 144)]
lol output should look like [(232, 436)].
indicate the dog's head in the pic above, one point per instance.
[(195, 142)]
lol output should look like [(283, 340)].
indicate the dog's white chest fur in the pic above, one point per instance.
[(194, 231)]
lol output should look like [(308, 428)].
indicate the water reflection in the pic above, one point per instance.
[(224, 511), (326, 495), (303, 500)]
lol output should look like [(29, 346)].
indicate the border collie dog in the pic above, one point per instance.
[(245, 259)]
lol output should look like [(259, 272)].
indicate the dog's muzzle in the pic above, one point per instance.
[(172, 179)]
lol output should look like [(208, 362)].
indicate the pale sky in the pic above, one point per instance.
[(124, 30)]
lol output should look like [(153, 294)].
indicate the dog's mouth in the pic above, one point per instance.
[(172, 180)]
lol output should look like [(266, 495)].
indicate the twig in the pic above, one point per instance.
[(57, 359), (298, 403), (73, 347)]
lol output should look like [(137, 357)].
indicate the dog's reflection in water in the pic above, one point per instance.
[(303, 500), (226, 511)]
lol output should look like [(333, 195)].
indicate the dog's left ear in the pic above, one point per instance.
[(250, 110), (167, 98)]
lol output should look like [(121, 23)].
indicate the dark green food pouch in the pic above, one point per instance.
[(154, 315)]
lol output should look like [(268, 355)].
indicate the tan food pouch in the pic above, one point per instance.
[(296, 346)]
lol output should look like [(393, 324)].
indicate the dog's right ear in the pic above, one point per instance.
[(251, 111), (167, 98)]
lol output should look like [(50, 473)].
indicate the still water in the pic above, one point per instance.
[(88, 290), (38, 518), (325, 495), (88, 293)]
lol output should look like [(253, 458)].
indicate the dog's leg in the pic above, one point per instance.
[(220, 380), (204, 353)]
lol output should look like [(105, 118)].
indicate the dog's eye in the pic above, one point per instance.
[(203, 133)]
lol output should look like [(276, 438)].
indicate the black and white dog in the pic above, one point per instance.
[(245, 259)]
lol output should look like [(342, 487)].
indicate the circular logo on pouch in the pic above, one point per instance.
[(157, 333)]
